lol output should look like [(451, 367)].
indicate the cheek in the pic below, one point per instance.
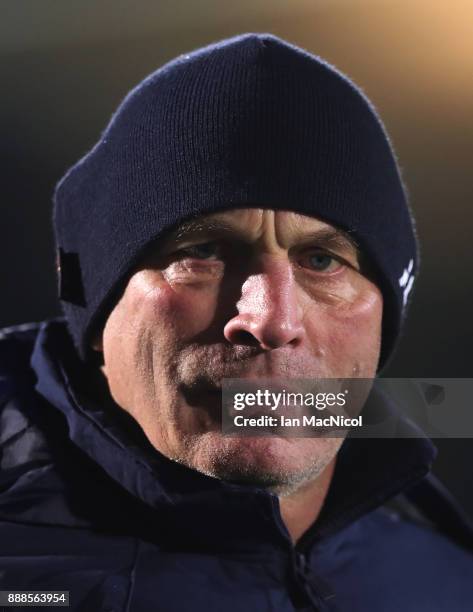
[(350, 332), (168, 312), (181, 312), (144, 332)]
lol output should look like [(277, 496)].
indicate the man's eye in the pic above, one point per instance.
[(206, 250), (321, 262)]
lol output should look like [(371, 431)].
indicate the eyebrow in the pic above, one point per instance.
[(201, 226), (331, 237), (328, 237)]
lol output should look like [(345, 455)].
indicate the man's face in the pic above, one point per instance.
[(247, 293)]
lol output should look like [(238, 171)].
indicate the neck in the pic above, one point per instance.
[(300, 509)]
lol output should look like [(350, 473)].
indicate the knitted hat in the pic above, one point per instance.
[(249, 121)]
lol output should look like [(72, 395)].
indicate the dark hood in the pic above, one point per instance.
[(84, 463)]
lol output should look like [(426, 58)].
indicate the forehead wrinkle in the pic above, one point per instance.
[(325, 236)]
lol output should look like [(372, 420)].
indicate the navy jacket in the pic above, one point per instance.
[(88, 506)]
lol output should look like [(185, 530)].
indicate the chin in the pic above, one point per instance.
[(271, 462)]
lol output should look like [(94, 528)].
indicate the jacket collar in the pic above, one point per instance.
[(367, 473)]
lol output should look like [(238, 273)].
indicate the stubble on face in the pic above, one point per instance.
[(174, 336)]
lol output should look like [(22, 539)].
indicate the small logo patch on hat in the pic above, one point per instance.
[(70, 286), (406, 281)]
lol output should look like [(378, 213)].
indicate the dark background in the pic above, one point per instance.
[(64, 67)]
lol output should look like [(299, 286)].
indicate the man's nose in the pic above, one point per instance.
[(269, 312)]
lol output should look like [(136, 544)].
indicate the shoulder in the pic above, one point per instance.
[(16, 347), (415, 543), (395, 558), (423, 528), (17, 394), (18, 378), (25, 420), (400, 534), (431, 560)]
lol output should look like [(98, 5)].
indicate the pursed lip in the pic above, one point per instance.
[(205, 396)]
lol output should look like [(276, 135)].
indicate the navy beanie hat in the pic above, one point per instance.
[(249, 121)]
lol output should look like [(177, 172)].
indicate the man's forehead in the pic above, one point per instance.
[(286, 227)]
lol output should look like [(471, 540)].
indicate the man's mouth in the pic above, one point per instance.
[(202, 394)]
